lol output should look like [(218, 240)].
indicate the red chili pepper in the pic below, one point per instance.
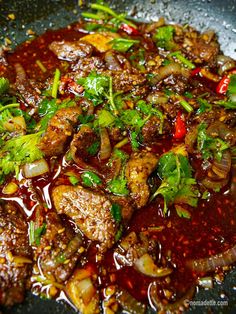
[(129, 29), (180, 127), (222, 86), (195, 71)]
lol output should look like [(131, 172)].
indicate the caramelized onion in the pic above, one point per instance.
[(175, 307), (157, 98), (112, 62), (226, 258), (20, 72), (165, 71), (130, 304), (105, 150), (219, 129), (35, 168), (222, 168), (225, 63), (146, 266)]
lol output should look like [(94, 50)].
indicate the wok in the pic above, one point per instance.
[(40, 15)]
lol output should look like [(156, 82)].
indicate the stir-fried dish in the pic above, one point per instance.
[(117, 164)]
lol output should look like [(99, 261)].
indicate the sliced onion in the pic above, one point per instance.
[(130, 304), (222, 168), (175, 307), (105, 150), (213, 184), (112, 62), (146, 266), (225, 63), (165, 71), (87, 290), (219, 129), (157, 98), (10, 188), (211, 263), (206, 282), (20, 72), (35, 168)]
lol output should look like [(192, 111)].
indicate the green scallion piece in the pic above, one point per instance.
[(55, 84), (183, 60), (103, 8)]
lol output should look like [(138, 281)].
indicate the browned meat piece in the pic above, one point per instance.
[(81, 145), (127, 206), (71, 51), (59, 129), (28, 89), (15, 255), (125, 81), (59, 249), (201, 51), (151, 129), (88, 64), (178, 83), (3, 60), (138, 169), (90, 210)]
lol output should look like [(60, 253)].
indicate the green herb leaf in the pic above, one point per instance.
[(18, 151), (95, 86), (35, 234), (4, 85), (116, 212), (164, 37), (105, 118), (182, 212), (123, 44), (90, 179), (93, 148), (177, 185), (73, 180), (232, 86), (118, 186)]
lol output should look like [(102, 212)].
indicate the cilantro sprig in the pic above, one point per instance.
[(177, 186)]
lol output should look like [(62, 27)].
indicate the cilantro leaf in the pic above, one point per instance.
[(95, 86), (4, 85), (177, 186), (18, 151), (209, 146), (118, 186), (164, 37), (232, 86)]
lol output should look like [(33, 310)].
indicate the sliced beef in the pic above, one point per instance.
[(15, 255), (58, 252), (138, 169), (29, 90), (126, 81), (88, 65), (91, 211), (59, 130), (81, 145), (71, 51), (127, 206), (151, 129), (201, 51)]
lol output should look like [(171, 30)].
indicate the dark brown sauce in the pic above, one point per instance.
[(210, 230)]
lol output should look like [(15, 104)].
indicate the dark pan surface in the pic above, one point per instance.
[(40, 15)]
